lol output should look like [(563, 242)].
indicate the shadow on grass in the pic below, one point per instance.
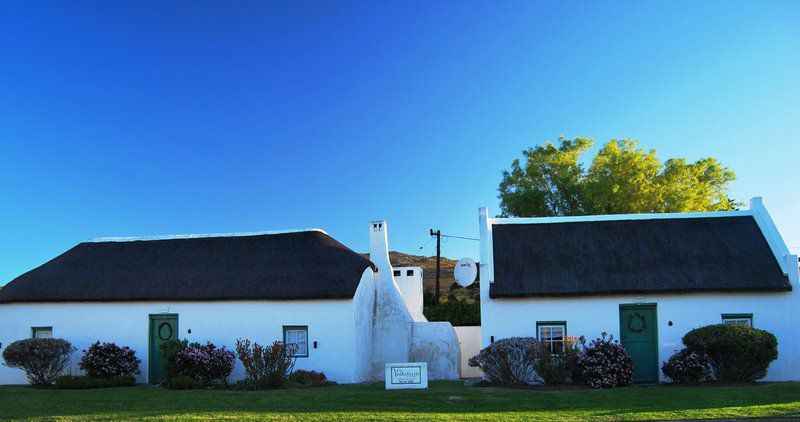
[(372, 401)]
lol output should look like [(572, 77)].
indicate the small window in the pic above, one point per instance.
[(42, 332), (552, 335), (409, 272), (397, 273), (740, 319), (296, 339)]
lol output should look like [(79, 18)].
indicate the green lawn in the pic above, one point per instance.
[(444, 401)]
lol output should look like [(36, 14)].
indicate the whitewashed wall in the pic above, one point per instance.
[(774, 312), (411, 289), (331, 324), (469, 339)]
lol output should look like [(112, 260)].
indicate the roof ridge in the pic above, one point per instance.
[(199, 236)]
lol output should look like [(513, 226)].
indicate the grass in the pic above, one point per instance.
[(443, 401)]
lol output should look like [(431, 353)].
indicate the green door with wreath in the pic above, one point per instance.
[(163, 327), (638, 329)]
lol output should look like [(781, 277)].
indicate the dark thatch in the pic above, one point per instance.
[(298, 265), (673, 255)]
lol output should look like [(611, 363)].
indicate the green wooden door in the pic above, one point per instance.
[(163, 327), (638, 329)]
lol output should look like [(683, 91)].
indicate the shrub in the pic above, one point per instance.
[(182, 382), (42, 359), (206, 363), (604, 363), (737, 352), (508, 361), (688, 366), (310, 378), (109, 361), (73, 382), (559, 368), (456, 312), (169, 350), (265, 366)]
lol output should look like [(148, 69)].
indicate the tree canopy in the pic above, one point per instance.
[(622, 178)]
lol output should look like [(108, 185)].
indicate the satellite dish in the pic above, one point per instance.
[(466, 271)]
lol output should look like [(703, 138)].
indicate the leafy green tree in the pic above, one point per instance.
[(622, 178)]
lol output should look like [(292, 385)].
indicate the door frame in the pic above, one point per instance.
[(150, 319), (654, 307)]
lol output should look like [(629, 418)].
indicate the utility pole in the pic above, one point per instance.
[(438, 234)]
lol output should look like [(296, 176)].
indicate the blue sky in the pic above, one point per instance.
[(147, 118)]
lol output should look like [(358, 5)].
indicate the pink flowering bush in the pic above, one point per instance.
[(109, 361), (42, 359), (508, 361), (688, 366), (206, 363), (604, 363)]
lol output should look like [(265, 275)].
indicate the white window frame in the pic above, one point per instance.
[(550, 325)]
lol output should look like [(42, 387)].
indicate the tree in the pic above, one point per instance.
[(622, 178)]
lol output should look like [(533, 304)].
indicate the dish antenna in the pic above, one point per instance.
[(466, 271)]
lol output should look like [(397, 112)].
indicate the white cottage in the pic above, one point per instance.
[(645, 278), (345, 313)]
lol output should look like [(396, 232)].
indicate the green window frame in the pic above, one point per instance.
[(552, 334), (746, 319), (41, 332), (297, 335)]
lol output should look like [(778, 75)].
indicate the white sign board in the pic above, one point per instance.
[(409, 375)]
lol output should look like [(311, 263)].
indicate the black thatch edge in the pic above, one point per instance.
[(787, 288)]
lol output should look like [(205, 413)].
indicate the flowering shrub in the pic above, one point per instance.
[(604, 363), (169, 350), (265, 366), (42, 359), (558, 368), (109, 361), (688, 366), (737, 352), (206, 363), (310, 378), (508, 361)]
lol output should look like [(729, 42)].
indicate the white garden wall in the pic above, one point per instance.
[(331, 324), (469, 339)]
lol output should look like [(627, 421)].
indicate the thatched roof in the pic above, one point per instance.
[(294, 265), (660, 255)]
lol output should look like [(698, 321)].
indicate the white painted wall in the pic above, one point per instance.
[(469, 338), (331, 324), (590, 316), (409, 281)]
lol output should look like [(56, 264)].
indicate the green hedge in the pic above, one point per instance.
[(458, 313), (737, 352)]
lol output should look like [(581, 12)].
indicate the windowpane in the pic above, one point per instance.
[(296, 339), (738, 319), (552, 337), (42, 332)]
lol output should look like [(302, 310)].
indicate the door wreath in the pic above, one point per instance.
[(636, 328), (160, 329)]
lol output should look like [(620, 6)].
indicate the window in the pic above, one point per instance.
[(396, 273), (42, 332), (742, 319), (552, 334), (296, 338), (409, 272)]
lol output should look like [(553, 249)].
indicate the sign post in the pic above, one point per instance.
[(407, 376)]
